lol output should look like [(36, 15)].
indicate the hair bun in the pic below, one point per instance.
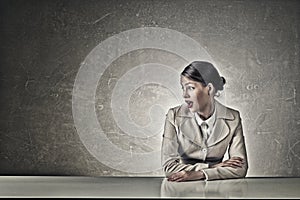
[(223, 80)]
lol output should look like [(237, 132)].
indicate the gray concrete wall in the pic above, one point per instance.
[(85, 85)]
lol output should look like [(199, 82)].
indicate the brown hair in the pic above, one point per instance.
[(204, 72)]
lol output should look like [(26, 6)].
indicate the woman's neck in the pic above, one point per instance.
[(209, 110)]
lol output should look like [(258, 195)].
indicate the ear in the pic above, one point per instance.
[(211, 89)]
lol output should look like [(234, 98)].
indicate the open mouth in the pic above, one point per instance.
[(189, 104)]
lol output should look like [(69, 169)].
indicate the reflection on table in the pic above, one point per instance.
[(204, 189), (234, 188), (146, 187)]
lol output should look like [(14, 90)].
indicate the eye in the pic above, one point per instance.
[(190, 88)]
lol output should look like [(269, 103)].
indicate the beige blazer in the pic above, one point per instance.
[(184, 149)]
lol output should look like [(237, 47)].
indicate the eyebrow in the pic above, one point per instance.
[(189, 83)]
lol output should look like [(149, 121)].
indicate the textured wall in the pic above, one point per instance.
[(85, 85)]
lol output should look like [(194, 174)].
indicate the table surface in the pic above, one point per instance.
[(145, 187)]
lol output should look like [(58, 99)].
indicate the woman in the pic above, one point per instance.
[(197, 134)]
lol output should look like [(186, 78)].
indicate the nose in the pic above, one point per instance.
[(185, 94)]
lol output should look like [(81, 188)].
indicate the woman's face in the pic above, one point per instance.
[(195, 95)]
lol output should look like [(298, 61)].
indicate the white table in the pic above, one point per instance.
[(144, 187)]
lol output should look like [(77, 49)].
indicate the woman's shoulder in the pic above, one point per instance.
[(179, 109), (172, 111), (233, 110), (175, 112), (175, 108), (228, 111)]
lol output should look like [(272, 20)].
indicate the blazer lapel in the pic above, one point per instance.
[(221, 128), (189, 126), (219, 132)]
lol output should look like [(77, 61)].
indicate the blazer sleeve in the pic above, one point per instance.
[(237, 148), (170, 157)]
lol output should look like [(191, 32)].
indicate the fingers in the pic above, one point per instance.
[(186, 176), (174, 178), (178, 176), (234, 162), (236, 158)]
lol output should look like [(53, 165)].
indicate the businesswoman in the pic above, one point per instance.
[(198, 133)]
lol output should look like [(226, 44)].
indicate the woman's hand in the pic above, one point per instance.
[(234, 162), (186, 176)]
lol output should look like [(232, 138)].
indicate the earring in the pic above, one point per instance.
[(217, 94)]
